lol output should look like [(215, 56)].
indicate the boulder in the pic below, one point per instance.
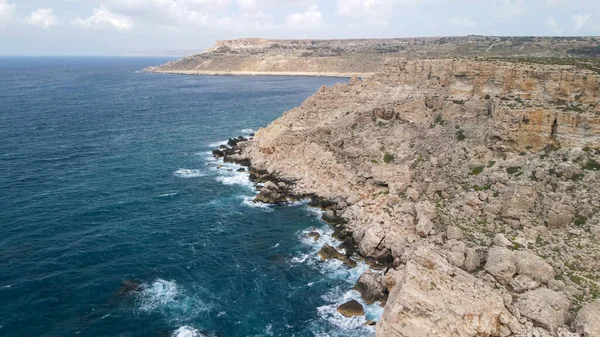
[(520, 203), (371, 288), (587, 322), (435, 299), (501, 264), (546, 308), (501, 241), (314, 235), (424, 226), (472, 260), (454, 233), (370, 242), (327, 253), (351, 308), (560, 216), (534, 266), (523, 283)]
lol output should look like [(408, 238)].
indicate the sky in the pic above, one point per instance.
[(117, 27)]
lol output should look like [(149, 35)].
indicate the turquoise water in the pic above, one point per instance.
[(106, 176)]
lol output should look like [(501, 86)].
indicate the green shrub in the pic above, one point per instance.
[(460, 135), (388, 158), (580, 220), (513, 169), (477, 170), (592, 165), (491, 163)]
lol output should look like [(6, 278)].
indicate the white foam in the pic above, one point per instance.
[(219, 143), (248, 131), (269, 330), (158, 294), (167, 195), (186, 331), (188, 173), (249, 201)]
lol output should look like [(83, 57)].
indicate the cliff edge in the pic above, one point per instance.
[(470, 185)]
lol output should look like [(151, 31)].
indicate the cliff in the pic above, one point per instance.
[(475, 182), (360, 56)]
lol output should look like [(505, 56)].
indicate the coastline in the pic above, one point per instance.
[(256, 73)]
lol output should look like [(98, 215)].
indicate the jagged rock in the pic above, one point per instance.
[(436, 299), (534, 266), (424, 226), (501, 264), (501, 241), (587, 322), (547, 308), (327, 253), (523, 283), (520, 203), (560, 216), (314, 235), (371, 241), (457, 259), (371, 288), (351, 308), (472, 260), (454, 233)]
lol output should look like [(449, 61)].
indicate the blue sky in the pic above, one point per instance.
[(114, 27)]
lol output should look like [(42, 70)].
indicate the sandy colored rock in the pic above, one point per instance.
[(501, 264), (371, 288), (351, 308), (587, 322), (534, 266), (456, 303), (454, 233), (547, 308)]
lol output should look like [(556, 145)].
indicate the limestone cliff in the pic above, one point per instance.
[(475, 181), (360, 56)]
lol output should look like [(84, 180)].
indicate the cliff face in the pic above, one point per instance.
[(461, 174), (359, 56)]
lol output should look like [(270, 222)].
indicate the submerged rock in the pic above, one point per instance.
[(351, 308), (314, 235), (129, 287)]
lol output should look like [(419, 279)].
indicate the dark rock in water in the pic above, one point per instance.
[(241, 169), (271, 194), (251, 135), (351, 308), (232, 142), (331, 217), (130, 286), (327, 253), (316, 201), (371, 288), (370, 323), (218, 153), (278, 258), (223, 147), (349, 246), (314, 235)]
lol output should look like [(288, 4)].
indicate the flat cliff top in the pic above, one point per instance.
[(365, 56)]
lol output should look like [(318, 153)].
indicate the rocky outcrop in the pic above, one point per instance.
[(587, 322), (493, 165), (351, 308)]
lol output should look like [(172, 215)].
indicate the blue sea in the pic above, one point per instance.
[(106, 176)]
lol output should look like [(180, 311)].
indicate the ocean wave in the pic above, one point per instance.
[(158, 294), (248, 131), (219, 143), (249, 202), (188, 173), (186, 331)]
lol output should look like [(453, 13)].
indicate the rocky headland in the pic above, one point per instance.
[(469, 185), (363, 57)]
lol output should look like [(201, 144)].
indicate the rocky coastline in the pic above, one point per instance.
[(469, 186)]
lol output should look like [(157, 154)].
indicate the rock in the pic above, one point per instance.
[(472, 260), (129, 287), (314, 235), (371, 240), (457, 259), (520, 203), (327, 253), (587, 321), (534, 266), (523, 283), (353, 199), (351, 308), (341, 205), (501, 264), (241, 169), (454, 233), (546, 308), (371, 288), (501, 241), (560, 216), (595, 232), (370, 323), (435, 299), (424, 226)]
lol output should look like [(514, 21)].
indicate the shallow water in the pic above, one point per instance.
[(106, 176)]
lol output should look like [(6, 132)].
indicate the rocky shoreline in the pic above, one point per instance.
[(275, 190), (469, 186)]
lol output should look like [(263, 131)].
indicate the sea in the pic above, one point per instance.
[(115, 220)]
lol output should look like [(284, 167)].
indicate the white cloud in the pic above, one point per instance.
[(311, 17), (580, 20), (366, 9), (103, 15), (463, 22), (43, 17), (511, 8), (551, 24), (7, 11)]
